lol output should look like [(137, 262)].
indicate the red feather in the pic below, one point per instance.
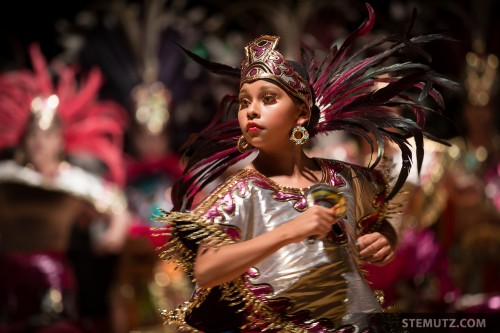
[(90, 126)]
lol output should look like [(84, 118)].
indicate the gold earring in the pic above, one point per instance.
[(243, 145), (299, 135)]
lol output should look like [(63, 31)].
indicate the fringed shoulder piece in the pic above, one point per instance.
[(185, 232)]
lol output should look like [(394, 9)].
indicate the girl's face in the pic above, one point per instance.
[(149, 146), (267, 114), (43, 146)]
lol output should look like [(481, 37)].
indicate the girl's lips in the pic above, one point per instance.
[(253, 129)]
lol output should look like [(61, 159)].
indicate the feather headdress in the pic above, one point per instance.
[(90, 127), (344, 88)]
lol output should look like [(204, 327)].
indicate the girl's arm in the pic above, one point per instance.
[(215, 266)]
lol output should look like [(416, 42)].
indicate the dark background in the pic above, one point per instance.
[(22, 22)]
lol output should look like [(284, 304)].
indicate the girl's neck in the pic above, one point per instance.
[(286, 163), (293, 170)]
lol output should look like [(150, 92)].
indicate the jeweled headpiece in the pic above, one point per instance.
[(263, 61), (152, 105)]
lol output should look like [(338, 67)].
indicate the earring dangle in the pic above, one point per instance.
[(299, 135), (243, 145)]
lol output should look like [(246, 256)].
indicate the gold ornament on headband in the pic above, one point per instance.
[(152, 106), (44, 110), (262, 61), (480, 77)]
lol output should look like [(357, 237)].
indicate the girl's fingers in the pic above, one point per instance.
[(371, 245)]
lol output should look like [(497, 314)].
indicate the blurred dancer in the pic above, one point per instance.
[(470, 227), (134, 45), (48, 130)]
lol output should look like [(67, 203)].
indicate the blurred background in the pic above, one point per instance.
[(217, 28), (448, 259)]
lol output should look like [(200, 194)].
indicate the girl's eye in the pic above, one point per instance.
[(243, 103), (269, 98)]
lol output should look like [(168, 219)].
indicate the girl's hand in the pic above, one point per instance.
[(375, 248), (315, 222), (214, 266)]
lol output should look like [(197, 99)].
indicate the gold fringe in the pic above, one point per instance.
[(197, 228)]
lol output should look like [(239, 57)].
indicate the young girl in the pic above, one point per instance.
[(267, 248)]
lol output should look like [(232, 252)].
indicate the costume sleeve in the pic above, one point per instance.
[(214, 222)]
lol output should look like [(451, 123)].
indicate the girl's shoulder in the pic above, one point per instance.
[(237, 180)]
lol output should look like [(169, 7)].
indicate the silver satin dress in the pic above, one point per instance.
[(315, 284)]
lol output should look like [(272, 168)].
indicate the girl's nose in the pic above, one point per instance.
[(252, 111)]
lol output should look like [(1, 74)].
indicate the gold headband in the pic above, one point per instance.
[(262, 61)]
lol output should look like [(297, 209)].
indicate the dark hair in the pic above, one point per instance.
[(313, 121), (315, 114)]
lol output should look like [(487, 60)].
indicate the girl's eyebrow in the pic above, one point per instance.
[(268, 90), (264, 89)]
